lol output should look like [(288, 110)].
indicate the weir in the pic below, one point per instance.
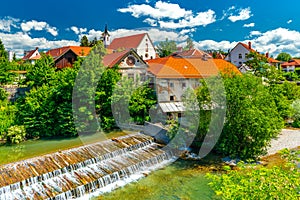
[(79, 171)]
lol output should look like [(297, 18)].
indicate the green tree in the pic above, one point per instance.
[(284, 56), (252, 119), (142, 99), (84, 41), (46, 110), (42, 72), (3, 53), (105, 88), (189, 44), (167, 47)]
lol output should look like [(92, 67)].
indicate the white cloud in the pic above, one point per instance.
[(7, 22), (242, 15), (20, 41), (290, 21), (272, 41), (151, 22), (38, 26), (249, 25), (255, 33), (160, 10), (169, 15), (211, 44), (201, 19), (186, 31), (77, 30)]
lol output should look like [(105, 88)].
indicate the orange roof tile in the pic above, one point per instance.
[(172, 67), (247, 46), (272, 60), (293, 62), (127, 42), (79, 51), (192, 53)]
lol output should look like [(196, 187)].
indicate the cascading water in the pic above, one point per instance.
[(77, 172)]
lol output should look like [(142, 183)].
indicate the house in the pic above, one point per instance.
[(238, 55), (291, 66), (175, 74), (129, 63), (66, 56), (32, 55), (141, 43)]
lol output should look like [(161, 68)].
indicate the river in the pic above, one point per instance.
[(180, 180)]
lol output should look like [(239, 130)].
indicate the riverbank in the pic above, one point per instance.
[(288, 138)]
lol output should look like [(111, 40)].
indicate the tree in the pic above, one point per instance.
[(284, 57), (46, 110), (252, 119), (104, 91), (189, 44), (42, 72), (142, 99), (165, 48), (84, 42), (3, 52)]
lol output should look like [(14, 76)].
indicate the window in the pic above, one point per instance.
[(143, 77), (246, 54), (172, 98), (171, 84), (147, 47), (130, 76), (240, 56), (146, 55), (240, 63), (183, 85)]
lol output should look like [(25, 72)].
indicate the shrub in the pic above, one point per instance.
[(16, 134)]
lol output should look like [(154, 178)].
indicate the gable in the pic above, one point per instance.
[(127, 42), (121, 59)]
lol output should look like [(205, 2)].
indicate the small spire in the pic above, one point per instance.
[(106, 30)]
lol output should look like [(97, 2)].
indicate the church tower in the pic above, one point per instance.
[(106, 37)]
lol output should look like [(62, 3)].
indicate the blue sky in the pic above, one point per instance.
[(213, 24)]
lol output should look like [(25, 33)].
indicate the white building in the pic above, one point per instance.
[(238, 55), (10, 56), (141, 43)]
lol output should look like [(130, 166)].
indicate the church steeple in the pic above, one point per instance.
[(106, 37)]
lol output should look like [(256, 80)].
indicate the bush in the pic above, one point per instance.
[(256, 182), (16, 134)]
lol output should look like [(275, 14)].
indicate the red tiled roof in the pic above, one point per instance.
[(192, 53), (30, 53), (293, 62), (174, 67), (246, 46), (272, 60), (127, 42), (112, 59), (79, 51)]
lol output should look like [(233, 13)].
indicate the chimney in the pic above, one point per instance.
[(36, 48), (249, 44), (267, 54)]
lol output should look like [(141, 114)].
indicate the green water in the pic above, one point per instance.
[(181, 180), (32, 148)]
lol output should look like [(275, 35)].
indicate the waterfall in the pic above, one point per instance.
[(80, 171)]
